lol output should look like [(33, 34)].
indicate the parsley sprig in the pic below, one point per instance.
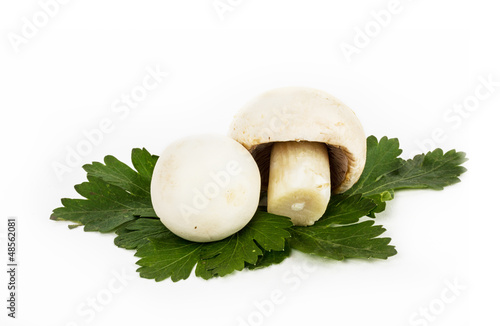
[(117, 199)]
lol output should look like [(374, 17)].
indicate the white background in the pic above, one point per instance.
[(61, 81)]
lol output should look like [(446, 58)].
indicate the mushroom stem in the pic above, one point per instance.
[(299, 181)]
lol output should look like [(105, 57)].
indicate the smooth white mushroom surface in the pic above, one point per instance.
[(205, 188)]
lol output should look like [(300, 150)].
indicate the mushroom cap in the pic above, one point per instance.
[(205, 188), (303, 114)]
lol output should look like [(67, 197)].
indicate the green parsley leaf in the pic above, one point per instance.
[(271, 258), (167, 255), (345, 209), (386, 173), (340, 242), (266, 231), (115, 194), (434, 170), (119, 174), (106, 207), (382, 157), (138, 232)]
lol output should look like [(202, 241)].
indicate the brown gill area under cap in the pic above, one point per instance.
[(338, 157)]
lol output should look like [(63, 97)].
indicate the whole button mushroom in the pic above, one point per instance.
[(307, 145), (205, 188)]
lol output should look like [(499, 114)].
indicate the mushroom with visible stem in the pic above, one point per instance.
[(205, 188), (308, 145)]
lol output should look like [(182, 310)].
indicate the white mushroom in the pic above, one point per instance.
[(307, 145), (205, 188)]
